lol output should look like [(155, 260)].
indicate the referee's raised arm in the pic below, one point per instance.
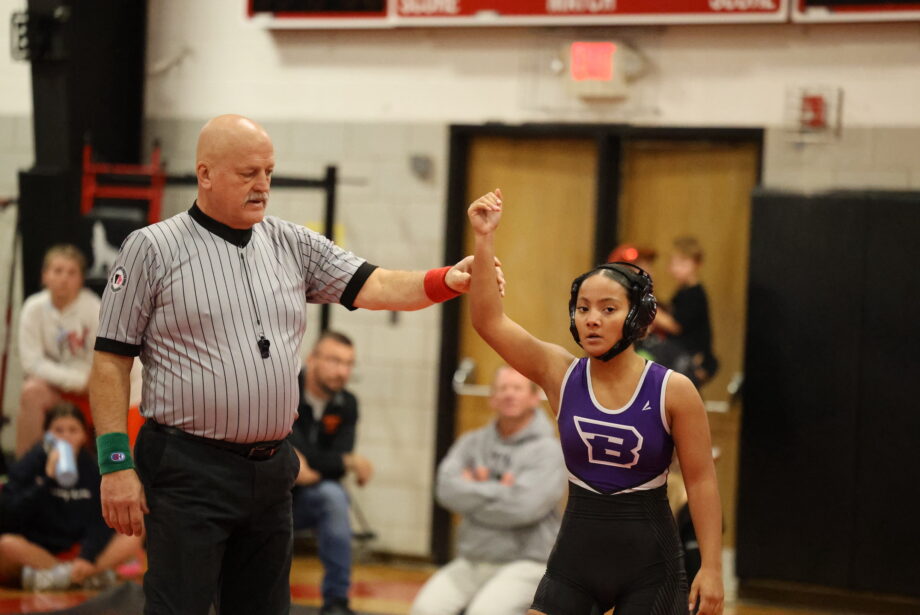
[(387, 289), (123, 502)]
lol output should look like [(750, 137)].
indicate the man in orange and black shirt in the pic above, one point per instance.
[(324, 438)]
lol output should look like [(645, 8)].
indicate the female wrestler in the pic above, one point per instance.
[(620, 418)]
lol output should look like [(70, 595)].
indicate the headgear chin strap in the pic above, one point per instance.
[(642, 304)]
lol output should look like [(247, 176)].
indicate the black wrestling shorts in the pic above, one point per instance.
[(615, 550)]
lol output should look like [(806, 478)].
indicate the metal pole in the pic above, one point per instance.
[(330, 183), (9, 306)]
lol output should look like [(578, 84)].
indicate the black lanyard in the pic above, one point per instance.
[(262, 344)]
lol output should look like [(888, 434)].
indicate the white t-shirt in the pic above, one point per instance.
[(57, 345)]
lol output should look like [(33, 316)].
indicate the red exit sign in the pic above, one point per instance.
[(591, 61)]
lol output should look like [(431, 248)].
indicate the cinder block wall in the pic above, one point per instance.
[(860, 158)]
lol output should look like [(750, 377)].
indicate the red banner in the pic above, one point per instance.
[(449, 13), (569, 8)]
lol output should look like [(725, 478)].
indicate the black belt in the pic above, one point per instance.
[(257, 451)]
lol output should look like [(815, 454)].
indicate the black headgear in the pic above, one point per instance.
[(642, 304)]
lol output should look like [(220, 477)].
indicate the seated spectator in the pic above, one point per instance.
[(324, 439), (57, 330), (45, 523), (506, 481)]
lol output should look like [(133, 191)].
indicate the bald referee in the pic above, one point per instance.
[(213, 300)]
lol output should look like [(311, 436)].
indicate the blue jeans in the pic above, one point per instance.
[(324, 506)]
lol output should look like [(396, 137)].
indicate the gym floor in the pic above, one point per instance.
[(384, 589)]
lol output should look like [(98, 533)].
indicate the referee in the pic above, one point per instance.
[(213, 300)]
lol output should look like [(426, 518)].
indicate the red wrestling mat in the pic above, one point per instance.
[(125, 599), (403, 591)]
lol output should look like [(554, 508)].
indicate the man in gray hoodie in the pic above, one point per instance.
[(506, 480)]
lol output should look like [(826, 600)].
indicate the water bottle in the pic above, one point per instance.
[(65, 472)]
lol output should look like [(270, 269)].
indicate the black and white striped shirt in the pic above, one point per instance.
[(179, 296)]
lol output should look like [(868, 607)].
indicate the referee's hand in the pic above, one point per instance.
[(458, 278), (123, 502)]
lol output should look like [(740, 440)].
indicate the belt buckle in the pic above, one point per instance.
[(262, 452)]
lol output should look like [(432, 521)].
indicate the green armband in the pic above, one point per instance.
[(114, 452)]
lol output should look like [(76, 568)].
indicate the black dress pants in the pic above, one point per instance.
[(219, 529)]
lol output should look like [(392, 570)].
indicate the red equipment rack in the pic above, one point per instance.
[(152, 193)]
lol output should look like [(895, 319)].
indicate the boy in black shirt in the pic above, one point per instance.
[(686, 325)]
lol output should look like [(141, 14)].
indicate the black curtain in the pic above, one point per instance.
[(827, 471), (87, 61)]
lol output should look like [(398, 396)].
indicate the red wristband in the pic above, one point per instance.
[(436, 287)]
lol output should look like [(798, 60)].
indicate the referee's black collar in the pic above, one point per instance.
[(236, 236)]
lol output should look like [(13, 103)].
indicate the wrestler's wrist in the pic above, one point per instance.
[(712, 567), (114, 453)]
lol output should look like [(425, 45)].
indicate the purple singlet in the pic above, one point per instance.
[(611, 451)]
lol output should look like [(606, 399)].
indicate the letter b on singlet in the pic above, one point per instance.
[(609, 444)]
